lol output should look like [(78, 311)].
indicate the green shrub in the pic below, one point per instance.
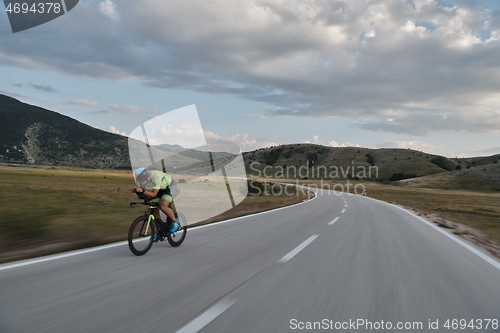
[(369, 159), (273, 156), (401, 176), (313, 157), (442, 162), (255, 187)]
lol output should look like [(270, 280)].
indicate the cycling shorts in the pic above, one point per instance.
[(165, 196)]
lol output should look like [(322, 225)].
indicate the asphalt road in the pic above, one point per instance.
[(341, 263)]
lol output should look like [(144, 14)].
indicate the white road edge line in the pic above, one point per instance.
[(334, 220), (206, 317), (459, 241), (299, 248), (103, 247), (343, 211), (59, 256)]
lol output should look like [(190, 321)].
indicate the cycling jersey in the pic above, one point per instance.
[(160, 181)]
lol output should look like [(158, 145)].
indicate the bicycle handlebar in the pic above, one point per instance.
[(147, 200), (143, 197)]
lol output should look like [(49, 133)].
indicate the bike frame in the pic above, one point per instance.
[(149, 211), (151, 217)]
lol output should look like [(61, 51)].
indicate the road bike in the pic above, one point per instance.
[(146, 229)]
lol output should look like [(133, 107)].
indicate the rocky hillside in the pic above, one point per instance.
[(33, 135)]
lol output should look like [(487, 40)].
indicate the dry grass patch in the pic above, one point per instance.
[(53, 210), (65, 207)]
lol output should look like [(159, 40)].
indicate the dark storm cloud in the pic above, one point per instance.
[(43, 87)]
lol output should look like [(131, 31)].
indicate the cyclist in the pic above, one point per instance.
[(155, 184)]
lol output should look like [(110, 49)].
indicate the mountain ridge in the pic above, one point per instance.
[(403, 167), (36, 136)]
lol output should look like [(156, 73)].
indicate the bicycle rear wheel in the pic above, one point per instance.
[(176, 238), (140, 235)]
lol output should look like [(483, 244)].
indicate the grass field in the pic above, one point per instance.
[(52, 210)]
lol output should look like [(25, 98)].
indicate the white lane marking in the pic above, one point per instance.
[(60, 256), (98, 248), (334, 220), (467, 246), (345, 205), (343, 211), (206, 317), (299, 248)]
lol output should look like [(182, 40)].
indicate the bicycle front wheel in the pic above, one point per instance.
[(175, 239), (140, 235)]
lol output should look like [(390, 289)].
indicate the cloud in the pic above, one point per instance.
[(481, 118), (318, 141), (83, 102), (113, 129), (356, 59), (45, 88), (108, 8), (245, 141), (345, 144), (416, 145), (256, 116), (134, 110), (124, 109), (495, 150)]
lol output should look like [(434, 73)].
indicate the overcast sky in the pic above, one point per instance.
[(419, 74)]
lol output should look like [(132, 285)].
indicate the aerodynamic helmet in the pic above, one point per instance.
[(141, 175)]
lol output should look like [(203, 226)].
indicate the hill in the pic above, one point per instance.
[(481, 177), (402, 166), (33, 135), (350, 161)]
